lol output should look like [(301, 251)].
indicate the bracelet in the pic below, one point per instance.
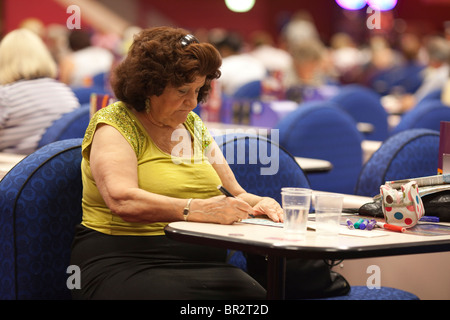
[(186, 210)]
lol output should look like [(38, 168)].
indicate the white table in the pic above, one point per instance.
[(7, 161), (271, 242), (369, 147), (309, 165)]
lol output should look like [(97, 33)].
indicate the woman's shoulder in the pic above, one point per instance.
[(115, 112), (120, 117)]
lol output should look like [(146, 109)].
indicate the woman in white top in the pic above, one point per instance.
[(31, 98), (78, 68)]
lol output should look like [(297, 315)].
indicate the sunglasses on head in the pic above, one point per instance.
[(187, 40)]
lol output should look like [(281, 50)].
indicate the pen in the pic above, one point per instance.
[(357, 223), (390, 227), (350, 224), (371, 224), (363, 224), (429, 219), (225, 191), (228, 194)]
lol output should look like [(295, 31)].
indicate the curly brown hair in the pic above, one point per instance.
[(158, 58)]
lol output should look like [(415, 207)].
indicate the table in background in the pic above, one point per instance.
[(310, 165), (369, 147), (7, 161)]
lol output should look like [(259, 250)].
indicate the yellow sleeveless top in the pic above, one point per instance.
[(158, 172)]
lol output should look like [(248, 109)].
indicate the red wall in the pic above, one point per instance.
[(266, 15), (423, 15), (48, 11)]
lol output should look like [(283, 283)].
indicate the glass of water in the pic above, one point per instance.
[(296, 206), (328, 209)]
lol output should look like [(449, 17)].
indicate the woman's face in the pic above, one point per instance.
[(172, 107)]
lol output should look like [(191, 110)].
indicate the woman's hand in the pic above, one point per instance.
[(269, 207), (220, 209)]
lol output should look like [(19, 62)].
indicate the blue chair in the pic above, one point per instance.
[(260, 165), (83, 94), (71, 125), (433, 95), (321, 130), (425, 115), (409, 154), (407, 78), (251, 90), (364, 105), (383, 293), (40, 201)]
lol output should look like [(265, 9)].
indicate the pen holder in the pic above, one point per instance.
[(402, 208)]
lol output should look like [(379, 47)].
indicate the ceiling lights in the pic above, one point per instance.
[(240, 5)]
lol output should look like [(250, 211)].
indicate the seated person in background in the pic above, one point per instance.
[(148, 160), (30, 97), (309, 80), (238, 67), (84, 61), (435, 75)]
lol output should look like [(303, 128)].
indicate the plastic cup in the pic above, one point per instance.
[(296, 204), (328, 211)]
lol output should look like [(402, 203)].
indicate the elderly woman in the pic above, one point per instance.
[(145, 164), (31, 98)]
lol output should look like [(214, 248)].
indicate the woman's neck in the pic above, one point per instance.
[(164, 136)]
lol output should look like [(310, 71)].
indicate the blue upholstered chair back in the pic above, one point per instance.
[(321, 130), (40, 201), (251, 90), (260, 165), (407, 78), (426, 115), (364, 105), (409, 154), (83, 94), (433, 95), (70, 126)]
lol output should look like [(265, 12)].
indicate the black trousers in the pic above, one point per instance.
[(155, 267)]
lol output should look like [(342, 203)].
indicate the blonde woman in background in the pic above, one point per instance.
[(31, 98)]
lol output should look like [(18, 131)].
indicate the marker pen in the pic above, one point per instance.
[(350, 224), (357, 223), (363, 224), (390, 227), (429, 219), (371, 224)]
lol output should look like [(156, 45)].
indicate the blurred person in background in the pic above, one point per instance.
[(435, 75), (238, 67), (85, 60), (310, 80), (30, 96)]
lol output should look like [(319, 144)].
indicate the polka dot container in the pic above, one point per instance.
[(402, 207)]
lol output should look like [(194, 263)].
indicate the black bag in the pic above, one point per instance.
[(305, 278)]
